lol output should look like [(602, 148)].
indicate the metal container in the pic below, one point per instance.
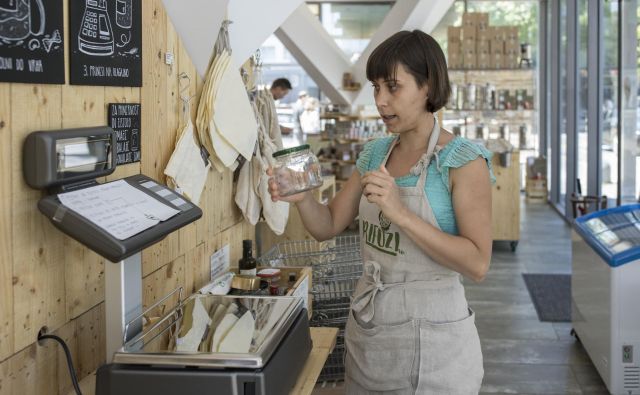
[(505, 159), (522, 135), (273, 317), (482, 132), (336, 266), (470, 97), (504, 131)]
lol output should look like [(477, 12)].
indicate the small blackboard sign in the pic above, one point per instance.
[(105, 39), (124, 119), (32, 41)]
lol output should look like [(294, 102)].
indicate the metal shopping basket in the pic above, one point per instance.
[(336, 266)]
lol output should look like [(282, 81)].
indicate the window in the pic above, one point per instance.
[(351, 24), (609, 128), (629, 126), (277, 62), (563, 104), (583, 94)]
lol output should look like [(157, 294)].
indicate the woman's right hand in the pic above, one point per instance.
[(274, 191)]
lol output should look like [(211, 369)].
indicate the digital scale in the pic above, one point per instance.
[(605, 293), (112, 219), (68, 162)]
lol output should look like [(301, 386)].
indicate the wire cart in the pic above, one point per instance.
[(336, 265)]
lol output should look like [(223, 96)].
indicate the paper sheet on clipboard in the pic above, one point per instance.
[(117, 207)]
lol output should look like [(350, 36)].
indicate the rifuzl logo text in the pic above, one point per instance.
[(377, 237)]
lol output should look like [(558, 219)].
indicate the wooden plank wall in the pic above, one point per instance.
[(48, 279)]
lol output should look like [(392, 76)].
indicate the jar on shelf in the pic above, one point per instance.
[(504, 131), (297, 170), (272, 277)]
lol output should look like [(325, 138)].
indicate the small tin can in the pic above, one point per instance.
[(297, 170)]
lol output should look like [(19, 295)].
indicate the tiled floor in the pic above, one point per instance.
[(521, 354)]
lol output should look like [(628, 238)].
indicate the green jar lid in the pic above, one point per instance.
[(290, 150)]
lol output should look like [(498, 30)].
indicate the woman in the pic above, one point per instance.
[(423, 198)]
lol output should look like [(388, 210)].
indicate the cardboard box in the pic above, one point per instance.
[(469, 33), (484, 34), (469, 60), (481, 19), (454, 48), (483, 47), (469, 19), (497, 47), (536, 189), (468, 46), (510, 61), (499, 32), (455, 60), (511, 33), (454, 35), (483, 61), (496, 61), (511, 47)]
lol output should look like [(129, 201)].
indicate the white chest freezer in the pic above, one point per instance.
[(605, 291)]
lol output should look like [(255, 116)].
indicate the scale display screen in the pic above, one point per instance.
[(614, 233), (83, 154)]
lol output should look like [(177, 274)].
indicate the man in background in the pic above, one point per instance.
[(279, 89)]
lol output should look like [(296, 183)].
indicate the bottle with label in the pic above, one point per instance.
[(247, 264)]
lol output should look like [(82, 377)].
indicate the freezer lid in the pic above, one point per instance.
[(272, 318), (613, 233)]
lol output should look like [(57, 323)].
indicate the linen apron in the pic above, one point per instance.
[(410, 330)]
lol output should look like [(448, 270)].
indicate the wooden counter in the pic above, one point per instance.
[(324, 340), (505, 198)]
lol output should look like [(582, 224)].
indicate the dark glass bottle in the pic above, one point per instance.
[(247, 264)]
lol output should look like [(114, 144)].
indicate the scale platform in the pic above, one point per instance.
[(148, 364)]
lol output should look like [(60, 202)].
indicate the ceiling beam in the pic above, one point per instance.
[(197, 30), (404, 15), (317, 52), (253, 22)]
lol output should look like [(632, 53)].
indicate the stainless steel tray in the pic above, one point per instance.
[(273, 317)]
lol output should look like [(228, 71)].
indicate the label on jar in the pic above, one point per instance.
[(268, 272), (248, 272)]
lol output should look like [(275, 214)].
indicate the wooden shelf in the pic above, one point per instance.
[(495, 70), (345, 117), (485, 111), (338, 161)]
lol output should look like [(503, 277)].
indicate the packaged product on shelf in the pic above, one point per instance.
[(470, 102), (453, 98)]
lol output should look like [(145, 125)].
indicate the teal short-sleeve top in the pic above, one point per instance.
[(456, 153)]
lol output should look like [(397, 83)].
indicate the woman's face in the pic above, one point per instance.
[(400, 102)]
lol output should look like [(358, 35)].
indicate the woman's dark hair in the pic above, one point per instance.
[(421, 56)]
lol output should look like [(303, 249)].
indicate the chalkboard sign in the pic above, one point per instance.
[(31, 41), (124, 119), (105, 39)]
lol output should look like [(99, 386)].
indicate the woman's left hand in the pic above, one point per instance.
[(380, 189)]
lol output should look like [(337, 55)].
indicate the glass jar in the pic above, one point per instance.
[(272, 277), (297, 170)]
